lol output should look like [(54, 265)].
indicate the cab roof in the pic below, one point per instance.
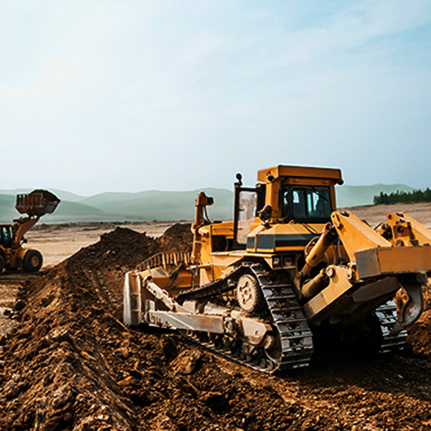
[(300, 172)]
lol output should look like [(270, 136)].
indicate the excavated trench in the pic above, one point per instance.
[(70, 364)]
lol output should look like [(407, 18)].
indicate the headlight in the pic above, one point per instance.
[(276, 261)]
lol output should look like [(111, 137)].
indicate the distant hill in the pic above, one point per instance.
[(63, 195), (352, 196), (163, 205), (7, 208), (112, 206)]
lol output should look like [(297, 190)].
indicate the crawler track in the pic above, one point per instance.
[(293, 344), (293, 337), (387, 315), (293, 333)]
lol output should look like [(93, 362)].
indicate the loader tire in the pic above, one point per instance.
[(249, 295), (32, 261), (2, 264)]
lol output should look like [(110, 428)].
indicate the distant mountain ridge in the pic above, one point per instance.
[(163, 205), (117, 206)]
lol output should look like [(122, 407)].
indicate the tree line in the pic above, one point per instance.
[(401, 197)]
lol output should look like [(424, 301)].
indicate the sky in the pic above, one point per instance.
[(135, 95)]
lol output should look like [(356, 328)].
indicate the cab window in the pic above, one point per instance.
[(247, 213), (6, 236), (306, 202)]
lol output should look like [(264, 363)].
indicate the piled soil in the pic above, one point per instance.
[(70, 364)]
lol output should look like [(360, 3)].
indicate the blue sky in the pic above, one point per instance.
[(179, 95)]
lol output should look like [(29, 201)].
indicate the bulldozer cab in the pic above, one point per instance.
[(300, 194), (284, 194)]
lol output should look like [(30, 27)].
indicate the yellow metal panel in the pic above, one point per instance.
[(300, 172), (355, 234), (393, 260), (273, 197), (205, 257), (308, 181), (296, 228), (226, 258), (422, 234), (337, 287), (405, 259), (225, 229), (223, 260)]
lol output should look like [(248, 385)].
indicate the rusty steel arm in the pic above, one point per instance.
[(404, 227), (202, 201), (355, 234), (20, 227), (318, 252), (35, 204)]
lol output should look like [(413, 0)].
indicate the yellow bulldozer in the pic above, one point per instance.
[(12, 253), (288, 268)]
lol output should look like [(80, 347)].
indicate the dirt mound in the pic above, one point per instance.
[(70, 364), (121, 247), (177, 238)]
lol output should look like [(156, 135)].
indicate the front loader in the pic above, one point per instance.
[(288, 268), (12, 253)]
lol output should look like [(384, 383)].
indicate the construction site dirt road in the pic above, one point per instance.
[(69, 363)]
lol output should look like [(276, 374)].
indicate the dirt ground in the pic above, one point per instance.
[(376, 214), (58, 242), (69, 363)]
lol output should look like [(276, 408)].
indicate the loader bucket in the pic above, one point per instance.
[(37, 203)]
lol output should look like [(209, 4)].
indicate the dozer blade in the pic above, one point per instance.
[(37, 203), (409, 301)]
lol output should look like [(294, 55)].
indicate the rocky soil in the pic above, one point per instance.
[(69, 363)]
